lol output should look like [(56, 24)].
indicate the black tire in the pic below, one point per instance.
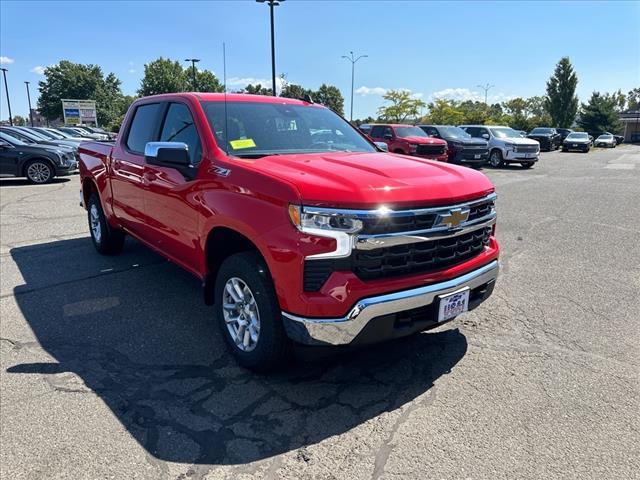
[(495, 159), (397, 150), (564, 149), (107, 239), (271, 348), (39, 171), (526, 164)]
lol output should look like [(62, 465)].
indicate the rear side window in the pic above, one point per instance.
[(143, 127), (377, 131), (179, 127)]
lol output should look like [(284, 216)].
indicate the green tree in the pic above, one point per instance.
[(257, 89), (206, 81), (561, 102), (444, 112), (162, 76), (600, 115), (78, 81), (329, 96), (291, 90), (633, 99), (19, 121), (403, 106), (619, 99)]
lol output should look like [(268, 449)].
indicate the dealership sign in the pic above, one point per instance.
[(79, 112)]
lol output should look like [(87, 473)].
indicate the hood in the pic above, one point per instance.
[(58, 145), (424, 140), (521, 141), (577, 140), (469, 141), (41, 147), (370, 180), (540, 135)]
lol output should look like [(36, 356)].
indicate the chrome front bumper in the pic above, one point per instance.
[(342, 331)]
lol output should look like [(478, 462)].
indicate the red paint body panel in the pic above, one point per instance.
[(174, 215)]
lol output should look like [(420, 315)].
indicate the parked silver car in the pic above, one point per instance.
[(506, 145)]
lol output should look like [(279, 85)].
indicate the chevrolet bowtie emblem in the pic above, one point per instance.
[(452, 219)]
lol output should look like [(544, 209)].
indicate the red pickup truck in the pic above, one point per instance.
[(300, 228), (409, 140)]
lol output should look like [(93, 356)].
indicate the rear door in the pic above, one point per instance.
[(9, 158), (127, 168), (170, 204)]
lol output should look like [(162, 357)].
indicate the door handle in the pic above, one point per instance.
[(150, 177)]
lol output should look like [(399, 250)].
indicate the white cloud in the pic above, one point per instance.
[(364, 91), (6, 61), (241, 82), (39, 69), (464, 94), (132, 70)]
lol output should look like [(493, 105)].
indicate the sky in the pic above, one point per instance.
[(433, 49)]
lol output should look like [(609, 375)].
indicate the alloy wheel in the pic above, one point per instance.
[(38, 172), (241, 314), (94, 220)]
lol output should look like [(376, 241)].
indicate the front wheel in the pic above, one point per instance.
[(39, 172), (526, 164), (495, 159), (248, 313), (105, 238)]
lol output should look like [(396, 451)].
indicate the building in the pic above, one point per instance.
[(38, 119), (631, 122)]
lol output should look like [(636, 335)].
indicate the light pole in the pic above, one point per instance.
[(29, 100), (193, 71), (486, 89), (353, 61), (6, 89), (272, 3)]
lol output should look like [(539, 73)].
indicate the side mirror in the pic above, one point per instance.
[(485, 136), (382, 146), (167, 154), (388, 136)]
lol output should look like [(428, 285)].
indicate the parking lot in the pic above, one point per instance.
[(111, 366)]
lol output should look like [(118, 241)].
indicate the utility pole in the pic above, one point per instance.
[(353, 61), (486, 89), (6, 89), (272, 3), (193, 71), (29, 100)]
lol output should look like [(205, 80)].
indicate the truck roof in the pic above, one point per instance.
[(232, 97)]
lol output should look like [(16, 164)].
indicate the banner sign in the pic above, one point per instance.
[(79, 112)]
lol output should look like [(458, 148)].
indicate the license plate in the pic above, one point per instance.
[(477, 156), (453, 304), (529, 155), (574, 145)]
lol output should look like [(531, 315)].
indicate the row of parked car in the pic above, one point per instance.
[(475, 145), (41, 153)]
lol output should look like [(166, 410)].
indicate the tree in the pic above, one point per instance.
[(257, 89), (206, 81), (78, 81), (600, 115), (444, 112), (291, 90), (329, 96), (403, 106), (162, 76), (633, 99), (19, 121), (619, 99), (561, 102)]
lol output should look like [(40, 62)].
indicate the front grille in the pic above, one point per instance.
[(419, 257), (471, 152), (430, 149), (526, 148)]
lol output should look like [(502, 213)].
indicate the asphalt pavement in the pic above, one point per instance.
[(110, 367)]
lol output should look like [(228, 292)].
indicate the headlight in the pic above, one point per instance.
[(510, 145), (413, 146), (456, 144)]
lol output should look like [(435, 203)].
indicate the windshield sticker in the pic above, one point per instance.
[(242, 143)]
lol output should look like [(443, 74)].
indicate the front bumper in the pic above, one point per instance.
[(391, 315), (511, 156), (461, 156)]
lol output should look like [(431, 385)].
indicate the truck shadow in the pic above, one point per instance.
[(133, 330)]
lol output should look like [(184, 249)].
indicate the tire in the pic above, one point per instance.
[(264, 346), (106, 239), (399, 151), (526, 164), (564, 149), (495, 159), (39, 172)]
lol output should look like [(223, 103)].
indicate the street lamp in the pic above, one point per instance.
[(486, 88), (193, 71), (6, 88), (272, 3), (353, 61), (29, 100)]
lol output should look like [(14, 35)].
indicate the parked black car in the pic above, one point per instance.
[(31, 137), (462, 147), (577, 141), (548, 138), (564, 132), (39, 163)]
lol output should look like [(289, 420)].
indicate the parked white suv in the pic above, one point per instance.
[(506, 145)]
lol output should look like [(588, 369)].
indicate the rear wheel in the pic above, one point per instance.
[(248, 313), (106, 239), (39, 171), (495, 159)]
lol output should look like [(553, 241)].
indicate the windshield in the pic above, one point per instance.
[(44, 133), (453, 132), (12, 140), (404, 132), (544, 131), (505, 133), (578, 136), (256, 129), (57, 135), (606, 137)]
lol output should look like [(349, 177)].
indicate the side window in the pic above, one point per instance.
[(179, 127), (473, 131), (376, 132), (143, 127), (482, 131), (387, 131), (432, 132)]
